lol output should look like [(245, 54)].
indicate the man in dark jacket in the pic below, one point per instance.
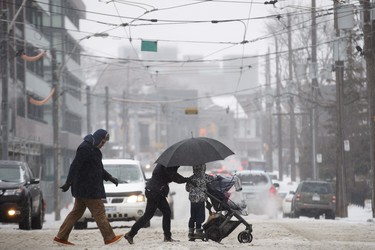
[(86, 175), (157, 189)]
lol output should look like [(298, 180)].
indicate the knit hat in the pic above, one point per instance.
[(99, 135)]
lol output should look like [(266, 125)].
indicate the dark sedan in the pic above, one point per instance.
[(21, 198)]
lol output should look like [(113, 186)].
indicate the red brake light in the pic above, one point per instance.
[(272, 190), (333, 199)]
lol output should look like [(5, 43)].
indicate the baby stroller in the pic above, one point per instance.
[(219, 224)]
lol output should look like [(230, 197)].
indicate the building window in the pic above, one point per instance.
[(21, 106), (71, 13), (34, 16), (35, 112), (72, 123), (72, 49), (73, 86), (37, 66)]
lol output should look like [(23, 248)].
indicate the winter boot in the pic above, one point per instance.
[(191, 234), (199, 234), (169, 239), (129, 238)]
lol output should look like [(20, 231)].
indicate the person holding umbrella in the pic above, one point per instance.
[(86, 175), (157, 189)]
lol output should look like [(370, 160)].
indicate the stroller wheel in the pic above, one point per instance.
[(213, 233), (245, 237)]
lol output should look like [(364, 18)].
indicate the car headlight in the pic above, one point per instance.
[(136, 198), (17, 191)]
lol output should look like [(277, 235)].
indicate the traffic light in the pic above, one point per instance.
[(191, 111)]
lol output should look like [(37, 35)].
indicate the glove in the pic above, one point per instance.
[(65, 187), (114, 180)]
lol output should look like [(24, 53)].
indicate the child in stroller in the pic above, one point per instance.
[(219, 224)]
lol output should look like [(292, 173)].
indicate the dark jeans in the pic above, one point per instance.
[(197, 215), (154, 201)]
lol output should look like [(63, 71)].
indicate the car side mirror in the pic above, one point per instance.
[(276, 185), (292, 192), (34, 181)]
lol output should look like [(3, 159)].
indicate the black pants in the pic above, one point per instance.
[(197, 215), (154, 201)]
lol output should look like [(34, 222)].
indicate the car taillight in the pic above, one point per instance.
[(333, 199), (298, 197), (272, 191)]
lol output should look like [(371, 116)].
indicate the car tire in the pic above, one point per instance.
[(37, 221), (330, 215), (295, 215), (80, 225), (25, 223)]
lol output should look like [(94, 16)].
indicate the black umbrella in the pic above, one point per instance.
[(194, 151)]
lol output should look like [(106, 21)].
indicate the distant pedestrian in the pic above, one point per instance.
[(157, 189), (86, 175), (197, 188)]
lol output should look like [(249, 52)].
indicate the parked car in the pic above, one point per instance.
[(127, 201), (259, 192), (21, 198), (287, 204), (286, 192), (313, 199)]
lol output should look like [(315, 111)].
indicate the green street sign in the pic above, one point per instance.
[(151, 46)]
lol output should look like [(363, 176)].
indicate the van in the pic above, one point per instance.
[(127, 201)]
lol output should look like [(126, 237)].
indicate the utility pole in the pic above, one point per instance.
[(88, 109), (291, 107), (369, 47), (279, 118), (106, 108), (56, 132), (4, 80), (124, 125), (314, 84), (269, 101), (341, 206)]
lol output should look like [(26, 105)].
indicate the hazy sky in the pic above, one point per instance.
[(186, 25)]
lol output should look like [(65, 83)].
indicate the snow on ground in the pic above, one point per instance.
[(355, 232)]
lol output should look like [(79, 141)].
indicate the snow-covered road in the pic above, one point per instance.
[(355, 232)]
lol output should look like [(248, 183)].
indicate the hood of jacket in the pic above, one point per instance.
[(199, 170)]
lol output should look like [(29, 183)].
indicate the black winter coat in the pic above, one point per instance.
[(86, 173), (161, 177)]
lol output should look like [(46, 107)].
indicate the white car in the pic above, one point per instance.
[(125, 202), (259, 193), (287, 204)]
